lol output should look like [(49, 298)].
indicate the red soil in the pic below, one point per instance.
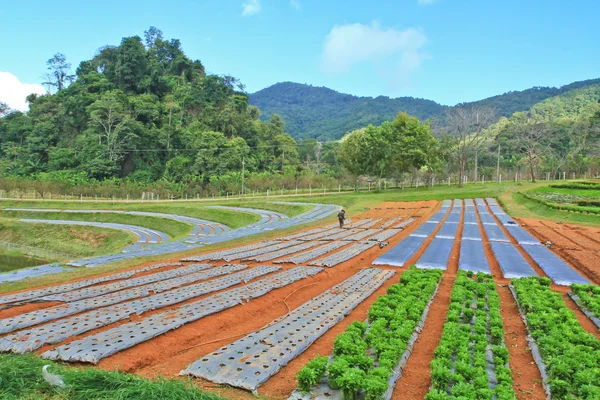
[(167, 354), (578, 245)]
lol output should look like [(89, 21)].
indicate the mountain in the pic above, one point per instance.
[(511, 102), (325, 114)]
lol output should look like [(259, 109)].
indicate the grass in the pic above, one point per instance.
[(520, 206), (76, 240), (11, 260), (21, 378), (593, 194), (291, 210), (355, 203), (174, 229), (233, 219)]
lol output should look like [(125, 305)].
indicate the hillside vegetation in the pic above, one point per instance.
[(324, 114), (141, 110)]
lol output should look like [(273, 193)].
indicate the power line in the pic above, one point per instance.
[(281, 146)]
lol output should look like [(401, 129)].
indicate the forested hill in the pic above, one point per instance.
[(140, 110), (511, 102), (325, 114)]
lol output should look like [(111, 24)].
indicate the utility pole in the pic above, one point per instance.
[(498, 165), (477, 138), (243, 165)]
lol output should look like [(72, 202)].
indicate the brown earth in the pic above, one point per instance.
[(169, 353), (577, 245)]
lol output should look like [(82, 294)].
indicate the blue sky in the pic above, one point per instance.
[(449, 51)]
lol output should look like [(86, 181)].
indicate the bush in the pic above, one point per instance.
[(578, 185), (589, 203)]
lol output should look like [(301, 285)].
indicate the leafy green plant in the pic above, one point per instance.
[(589, 297), (351, 381), (312, 373), (393, 319), (571, 355), (459, 368)]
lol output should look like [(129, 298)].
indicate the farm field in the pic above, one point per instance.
[(372, 310)]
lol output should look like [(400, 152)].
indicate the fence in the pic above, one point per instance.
[(415, 181)]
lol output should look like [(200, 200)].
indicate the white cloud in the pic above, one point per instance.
[(13, 92), (351, 44), (426, 2), (250, 7), (296, 4)]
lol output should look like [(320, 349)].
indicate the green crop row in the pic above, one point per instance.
[(473, 325), (392, 321), (589, 296), (588, 203), (563, 207), (570, 354), (578, 185)]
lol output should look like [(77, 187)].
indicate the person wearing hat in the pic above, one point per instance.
[(342, 217)]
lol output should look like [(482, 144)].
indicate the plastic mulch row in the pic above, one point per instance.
[(269, 349), (103, 344)]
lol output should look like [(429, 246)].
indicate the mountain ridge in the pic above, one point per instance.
[(326, 114)]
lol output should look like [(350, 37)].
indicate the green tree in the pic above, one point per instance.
[(109, 120), (59, 73)]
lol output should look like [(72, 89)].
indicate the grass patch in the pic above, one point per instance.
[(356, 202), (174, 229), (21, 378), (82, 241), (11, 260), (291, 210), (578, 185), (521, 206), (570, 192), (233, 219)]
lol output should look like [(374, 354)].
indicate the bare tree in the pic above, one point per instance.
[(594, 134), (59, 75), (532, 137), (467, 126), (109, 117)]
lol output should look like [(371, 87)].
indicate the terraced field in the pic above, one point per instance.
[(153, 242), (331, 313)]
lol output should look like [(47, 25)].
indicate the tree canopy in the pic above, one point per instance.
[(145, 111)]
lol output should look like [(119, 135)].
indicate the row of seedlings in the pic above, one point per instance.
[(587, 298), (471, 360), (368, 357), (568, 357)]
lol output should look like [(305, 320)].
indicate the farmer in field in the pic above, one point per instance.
[(342, 217)]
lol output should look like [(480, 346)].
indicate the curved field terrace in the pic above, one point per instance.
[(410, 300)]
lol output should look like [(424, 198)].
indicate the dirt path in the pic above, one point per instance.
[(526, 375), (415, 381)]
